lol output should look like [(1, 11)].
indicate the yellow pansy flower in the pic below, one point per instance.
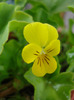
[(43, 45)]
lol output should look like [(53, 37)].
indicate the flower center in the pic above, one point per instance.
[(42, 52)]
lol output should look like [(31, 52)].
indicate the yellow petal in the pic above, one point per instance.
[(36, 33), (30, 52), (38, 68), (53, 48), (43, 65), (50, 64), (52, 33)]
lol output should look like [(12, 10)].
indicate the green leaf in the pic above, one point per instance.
[(11, 20), (22, 16), (71, 33), (3, 73), (11, 62), (61, 6), (2, 0), (20, 2), (54, 7), (71, 8), (40, 15), (8, 60), (56, 88), (70, 55), (63, 84), (57, 19), (71, 67), (70, 59), (6, 12)]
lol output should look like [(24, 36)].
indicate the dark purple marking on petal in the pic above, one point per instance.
[(46, 61), (37, 51), (38, 61), (47, 57), (42, 60), (36, 54), (49, 50)]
